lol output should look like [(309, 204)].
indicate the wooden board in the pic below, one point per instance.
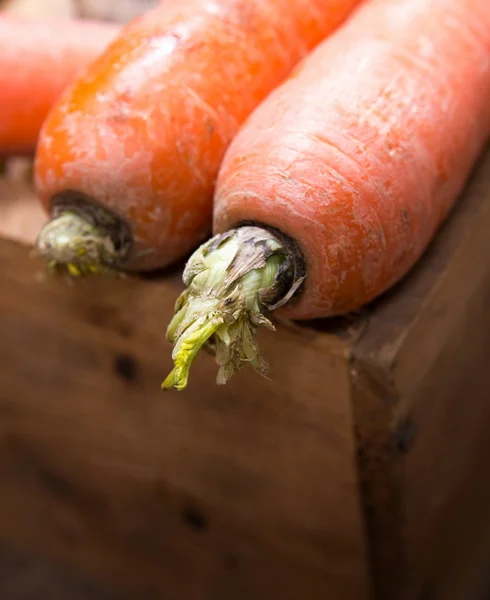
[(25, 577), (359, 466), (232, 492), (422, 405)]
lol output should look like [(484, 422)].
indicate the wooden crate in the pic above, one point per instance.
[(357, 471)]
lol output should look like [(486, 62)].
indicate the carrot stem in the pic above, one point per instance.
[(233, 281), (72, 241)]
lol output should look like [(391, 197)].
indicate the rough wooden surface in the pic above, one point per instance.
[(25, 577), (371, 433), (233, 492)]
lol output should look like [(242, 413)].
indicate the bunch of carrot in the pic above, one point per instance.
[(331, 163)]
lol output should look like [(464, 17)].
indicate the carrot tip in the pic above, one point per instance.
[(75, 245), (231, 282)]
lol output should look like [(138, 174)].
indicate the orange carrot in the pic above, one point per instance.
[(354, 162), (38, 58), (128, 158)]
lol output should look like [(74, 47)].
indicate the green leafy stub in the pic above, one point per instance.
[(232, 282), (74, 243), (83, 238)]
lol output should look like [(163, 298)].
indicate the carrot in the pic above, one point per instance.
[(347, 170), (38, 58), (128, 158)]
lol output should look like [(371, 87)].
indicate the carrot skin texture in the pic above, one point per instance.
[(38, 59), (360, 155), (143, 132)]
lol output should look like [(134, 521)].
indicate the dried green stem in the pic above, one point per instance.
[(84, 237), (72, 241), (233, 281)]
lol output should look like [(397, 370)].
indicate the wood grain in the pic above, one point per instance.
[(252, 484), (26, 577)]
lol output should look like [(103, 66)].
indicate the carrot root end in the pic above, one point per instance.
[(71, 243), (233, 281)]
